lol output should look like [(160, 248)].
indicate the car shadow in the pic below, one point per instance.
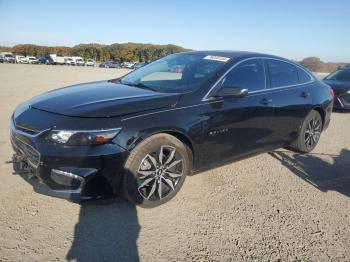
[(106, 232), (324, 171)]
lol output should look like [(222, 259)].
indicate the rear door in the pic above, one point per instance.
[(290, 87)]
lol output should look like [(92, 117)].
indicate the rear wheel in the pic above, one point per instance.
[(309, 134), (155, 170)]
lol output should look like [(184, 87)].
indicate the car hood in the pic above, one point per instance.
[(102, 99), (338, 86)]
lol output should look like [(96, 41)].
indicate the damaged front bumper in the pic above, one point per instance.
[(75, 173)]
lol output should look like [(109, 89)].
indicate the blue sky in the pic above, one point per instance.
[(293, 29)]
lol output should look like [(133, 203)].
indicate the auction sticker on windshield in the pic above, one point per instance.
[(217, 58)]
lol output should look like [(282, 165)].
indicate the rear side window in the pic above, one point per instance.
[(282, 74), (303, 76), (249, 74)]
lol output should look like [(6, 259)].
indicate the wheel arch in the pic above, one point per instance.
[(177, 134), (321, 111)]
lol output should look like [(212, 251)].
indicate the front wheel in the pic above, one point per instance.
[(309, 134), (155, 170)]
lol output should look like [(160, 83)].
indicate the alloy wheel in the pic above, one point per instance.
[(159, 173), (312, 132)]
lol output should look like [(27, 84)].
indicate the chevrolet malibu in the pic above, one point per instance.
[(141, 135)]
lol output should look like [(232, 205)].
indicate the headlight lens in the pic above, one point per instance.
[(82, 137)]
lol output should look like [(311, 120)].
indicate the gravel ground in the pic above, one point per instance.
[(278, 206)]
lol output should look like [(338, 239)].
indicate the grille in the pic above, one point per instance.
[(29, 152), (27, 130)]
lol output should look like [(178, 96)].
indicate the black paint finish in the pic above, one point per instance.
[(216, 129)]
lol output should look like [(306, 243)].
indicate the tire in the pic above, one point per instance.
[(310, 133), (150, 180)]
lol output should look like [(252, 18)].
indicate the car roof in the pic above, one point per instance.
[(233, 54)]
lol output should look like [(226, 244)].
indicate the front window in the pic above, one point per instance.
[(176, 73), (249, 74), (340, 75)]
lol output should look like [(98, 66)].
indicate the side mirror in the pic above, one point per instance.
[(236, 92)]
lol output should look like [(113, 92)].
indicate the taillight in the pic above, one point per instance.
[(331, 92)]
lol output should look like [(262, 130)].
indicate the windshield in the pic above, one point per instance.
[(340, 75), (178, 72)]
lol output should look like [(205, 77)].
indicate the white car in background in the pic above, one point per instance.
[(69, 61), (57, 59), (79, 61), (90, 62), (20, 59), (8, 57), (129, 65), (32, 60)]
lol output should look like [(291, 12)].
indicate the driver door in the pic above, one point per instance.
[(238, 126)]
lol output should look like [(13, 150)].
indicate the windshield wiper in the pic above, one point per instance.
[(140, 85)]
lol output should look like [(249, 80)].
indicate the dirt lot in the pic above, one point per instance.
[(276, 206)]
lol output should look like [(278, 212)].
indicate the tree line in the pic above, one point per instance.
[(123, 52), (315, 64), (135, 52)]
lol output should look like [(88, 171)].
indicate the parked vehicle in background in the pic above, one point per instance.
[(142, 134), (139, 65), (20, 59), (90, 62), (102, 64), (128, 65), (8, 57), (340, 83), (79, 61), (1, 59), (32, 60), (57, 59), (46, 60), (110, 64), (69, 61)]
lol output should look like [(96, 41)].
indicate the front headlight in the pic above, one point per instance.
[(83, 137)]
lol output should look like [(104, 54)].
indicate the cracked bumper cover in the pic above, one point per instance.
[(75, 173)]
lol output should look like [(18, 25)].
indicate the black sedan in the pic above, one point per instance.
[(340, 82), (140, 135)]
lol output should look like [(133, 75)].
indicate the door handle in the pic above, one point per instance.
[(266, 101), (305, 94)]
